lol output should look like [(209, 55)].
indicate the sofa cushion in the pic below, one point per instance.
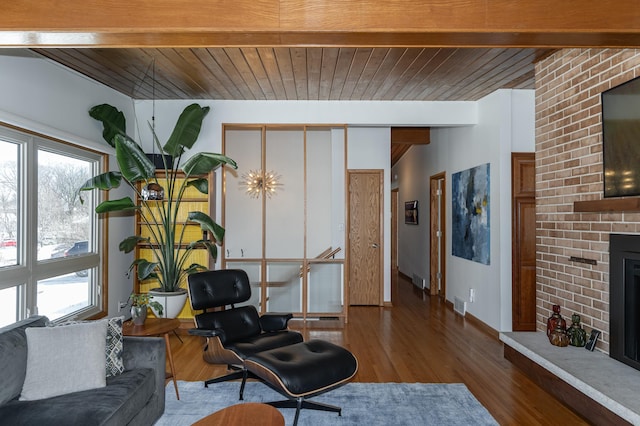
[(13, 356), (64, 359), (113, 352), (116, 404)]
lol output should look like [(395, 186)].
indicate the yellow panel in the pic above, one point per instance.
[(192, 232), (190, 192), (196, 256), (154, 214)]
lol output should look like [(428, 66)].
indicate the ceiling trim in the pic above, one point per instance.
[(400, 23)]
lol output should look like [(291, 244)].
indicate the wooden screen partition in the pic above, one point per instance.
[(289, 241)]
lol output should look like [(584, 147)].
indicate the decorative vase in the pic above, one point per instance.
[(558, 337), (577, 335), (554, 320), (138, 314), (172, 302)]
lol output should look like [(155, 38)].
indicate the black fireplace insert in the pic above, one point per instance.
[(624, 291)]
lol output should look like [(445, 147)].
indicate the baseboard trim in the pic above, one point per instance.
[(482, 326), (403, 275), (486, 329)]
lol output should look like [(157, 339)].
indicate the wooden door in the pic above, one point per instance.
[(523, 242), (365, 237), (437, 214)]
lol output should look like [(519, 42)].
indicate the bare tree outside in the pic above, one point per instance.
[(62, 219), (8, 200)]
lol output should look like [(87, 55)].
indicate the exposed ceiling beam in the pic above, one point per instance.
[(411, 135), (226, 23)]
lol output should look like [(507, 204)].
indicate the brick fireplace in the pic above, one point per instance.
[(572, 248)]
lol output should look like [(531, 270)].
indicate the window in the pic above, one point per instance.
[(50, 262)]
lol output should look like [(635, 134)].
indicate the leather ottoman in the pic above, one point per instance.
[(303, 370)]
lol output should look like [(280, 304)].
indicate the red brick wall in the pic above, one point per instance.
[(568, 169)]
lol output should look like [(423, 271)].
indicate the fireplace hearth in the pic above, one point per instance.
[(624, 290)]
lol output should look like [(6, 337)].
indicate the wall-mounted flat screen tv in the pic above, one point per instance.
[(621, 139)]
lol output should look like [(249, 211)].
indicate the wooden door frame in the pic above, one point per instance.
[(351, 172), (433, 240), (394, 229)]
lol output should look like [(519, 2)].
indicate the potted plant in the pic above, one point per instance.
[(165, 238), (139, 304)]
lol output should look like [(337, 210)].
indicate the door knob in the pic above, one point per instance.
[(374, 245)]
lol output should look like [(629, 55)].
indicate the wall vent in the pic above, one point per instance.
[(460, 306), (418, 281)]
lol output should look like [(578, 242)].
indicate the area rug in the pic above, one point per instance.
[(369, 404)]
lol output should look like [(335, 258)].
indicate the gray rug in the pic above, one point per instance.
[(369, 404)]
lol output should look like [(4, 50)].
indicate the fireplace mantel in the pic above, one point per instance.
[(608, 205)]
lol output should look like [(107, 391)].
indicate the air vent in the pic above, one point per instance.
[(418, 281), (460, 306)]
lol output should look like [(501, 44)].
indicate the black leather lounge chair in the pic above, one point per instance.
[(262, 347), (235, 333)]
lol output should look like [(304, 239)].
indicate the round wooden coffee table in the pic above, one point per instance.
[(156, 327), (246, 414)]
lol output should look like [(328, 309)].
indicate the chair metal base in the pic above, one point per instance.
[(300, 403), (239, 374)]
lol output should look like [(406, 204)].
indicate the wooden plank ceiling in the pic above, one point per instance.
[(332, 73), (306, 73)]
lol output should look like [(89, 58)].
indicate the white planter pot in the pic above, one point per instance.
[(172, 302)]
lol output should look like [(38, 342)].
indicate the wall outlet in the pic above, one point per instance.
[(122, 305), (472, 295)]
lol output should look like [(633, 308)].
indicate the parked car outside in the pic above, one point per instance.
[(79, 247), (8, 243), (59, 250)]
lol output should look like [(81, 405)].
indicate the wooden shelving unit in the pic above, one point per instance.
[(193, 200)]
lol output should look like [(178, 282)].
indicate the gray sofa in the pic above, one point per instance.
[(135, 397)]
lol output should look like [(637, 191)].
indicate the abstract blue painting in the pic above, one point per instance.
[(470, 214)]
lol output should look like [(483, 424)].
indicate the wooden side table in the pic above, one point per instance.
[(247, 414), (156, 327)]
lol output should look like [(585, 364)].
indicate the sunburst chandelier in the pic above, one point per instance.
[(257, 181)]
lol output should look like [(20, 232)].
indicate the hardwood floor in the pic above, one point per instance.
[(419, 339)]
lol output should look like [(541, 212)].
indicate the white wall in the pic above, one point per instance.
[(505, 124), (369, 148)]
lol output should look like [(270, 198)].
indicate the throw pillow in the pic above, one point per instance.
[(113, 353), (65, 359), (115, 364)]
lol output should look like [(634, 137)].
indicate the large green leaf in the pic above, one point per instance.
[(207, 224), (210, 246), (104, 181), (186, 131), (132, 161), (195, 267), (112, 119), (121, 204), (128, 244), (146, 269), (204, 162), (201, 185)]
